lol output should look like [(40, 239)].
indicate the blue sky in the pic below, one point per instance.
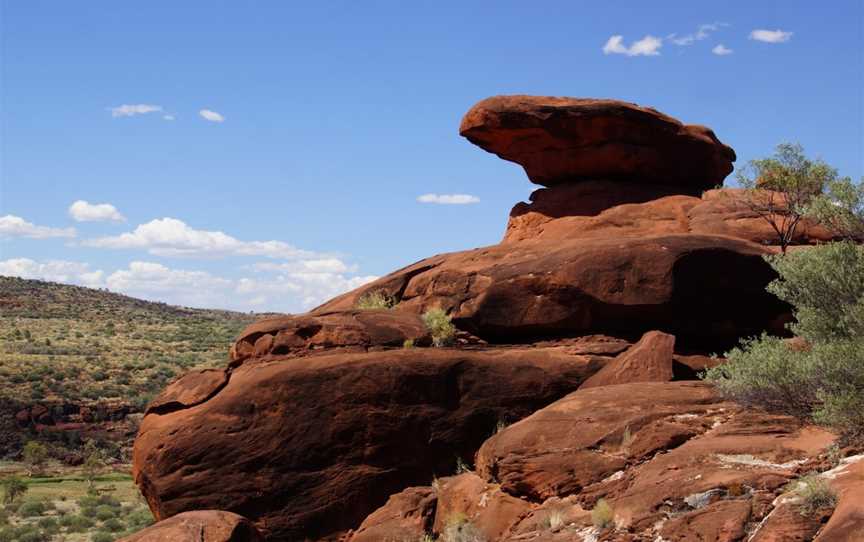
[(327, 121)]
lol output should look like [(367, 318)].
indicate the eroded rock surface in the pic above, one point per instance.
[(309, 446), (561, 140), (199, 526)]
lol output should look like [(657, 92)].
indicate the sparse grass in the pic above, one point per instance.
[(626, 438), (555, 520), (377, 299), (461, 466), (440, 327), (602, 515), (408, 344), (816, 494), (460, 529)]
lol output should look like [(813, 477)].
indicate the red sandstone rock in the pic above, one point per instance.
[(309, 446), (699, 288), (649, 360), (199, 526), (467, 497), (351, 328), (847, 521), (407, 515), (560, 140)]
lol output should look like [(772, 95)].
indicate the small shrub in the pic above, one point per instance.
[(140, 518), (377, 299), (815, 494), (102, 537), (113, 525), (626, 438), (88, 512), (461, 466), (440, 327), (460, 529), (104, 513), (32, 509), (555, 520), (408, 344), (76, 524), (602, 515)]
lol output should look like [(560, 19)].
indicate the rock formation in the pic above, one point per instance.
[(571, 380)]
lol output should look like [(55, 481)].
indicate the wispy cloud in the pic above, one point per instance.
[(173, 237), (647, 46), (721, 50), (448, 199), (130, 110), (212, 116), (702, 32), (83, 211), (168, 117), (770, 36), (15, 226)]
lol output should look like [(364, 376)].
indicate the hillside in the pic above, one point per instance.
[(72, 356)]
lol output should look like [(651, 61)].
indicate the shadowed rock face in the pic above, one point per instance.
[(310, 446), (560, 140)]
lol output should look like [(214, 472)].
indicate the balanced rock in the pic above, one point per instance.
[(559, 140), (199, 526)]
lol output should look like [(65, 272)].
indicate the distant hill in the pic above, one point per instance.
[(71, 355)]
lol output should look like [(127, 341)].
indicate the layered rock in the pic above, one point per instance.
[(199, 526), (560, 140), (707, 290)]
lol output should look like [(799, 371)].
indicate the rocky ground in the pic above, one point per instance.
[(569, 407)]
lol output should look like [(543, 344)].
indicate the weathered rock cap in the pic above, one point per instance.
[(560, 140)]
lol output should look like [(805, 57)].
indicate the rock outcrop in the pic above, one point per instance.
[(579, 337), (199, 526), (560, 140)]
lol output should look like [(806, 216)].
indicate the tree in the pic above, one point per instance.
[(821, 376), (841, 208), (13, 487), (780, 189), (93, 462), (34, 454)]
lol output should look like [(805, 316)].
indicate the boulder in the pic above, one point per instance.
[(649, 360), (706, 290), (559, 140), (407, 515), (847, 521), (199, 526), (309, 446), (468, 498)]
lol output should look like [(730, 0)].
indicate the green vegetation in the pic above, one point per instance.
[(68, 345), (460, 529), (438, 323), (602, 515), (782, 188), (67, 508), (35, 454), (820, 376), (13, 487), (377, 299), (815, 493)]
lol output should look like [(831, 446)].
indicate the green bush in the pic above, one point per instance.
[(32, 509), (140, 518), (105, 512), (602, 515), (377, 299), (113, 525), (102, 537), (76, 524), (438, 323), (815, 493), (822, 377)]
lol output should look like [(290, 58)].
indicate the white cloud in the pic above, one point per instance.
[(52, 270), (168, 117), (212, 116), (82, 211), (721, 50), (702, 32), (130, 110), (770, 36), (647, 46), (322, 265), (15, 226), (305, 289), (448, 199), (172, 237), (157, 282)]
